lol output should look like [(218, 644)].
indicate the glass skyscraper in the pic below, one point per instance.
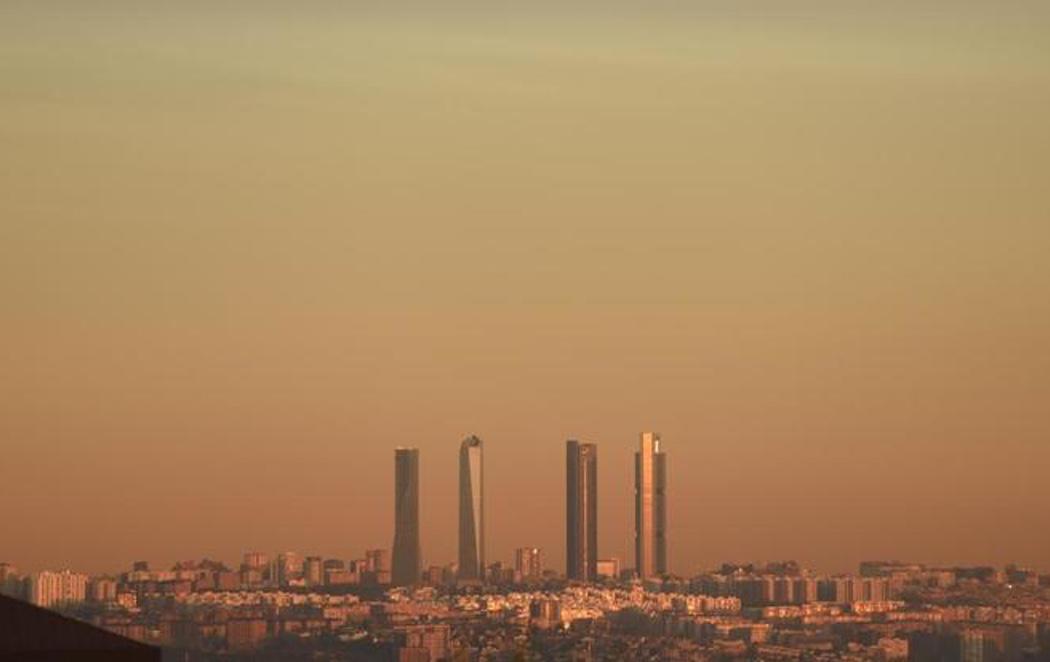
[(581, 510), (407, 562), (650, 507), (471, 509)]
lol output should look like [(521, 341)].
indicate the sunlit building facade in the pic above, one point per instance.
[(650, 507), (313, 571), (378, 562), (528, 563), (49, 589)]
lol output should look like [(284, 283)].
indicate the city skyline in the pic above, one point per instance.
[(372, 570), (886, 611), (584, 481), (247, 248), (781, 265)]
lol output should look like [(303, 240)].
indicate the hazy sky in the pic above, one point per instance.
[(248, 248)]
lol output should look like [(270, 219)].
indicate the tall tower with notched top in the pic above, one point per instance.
[(471, 509)]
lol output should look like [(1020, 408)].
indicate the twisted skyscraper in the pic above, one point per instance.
[(407, 564)]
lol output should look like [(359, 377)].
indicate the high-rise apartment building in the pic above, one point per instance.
[(47, 589), (334, 571), (528, 563), (423, 642), (471, 509), (650, 507), (407, 561), (313, 571), (378, 564), (102, 589), (254, 561), (581, 510), (287, 567)]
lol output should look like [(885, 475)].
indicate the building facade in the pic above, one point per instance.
[(313, 571), (49, 589), (378, 561), (10, 581), (423, 642), (287, 567), (256, 560), (102, 590), (581, 517), (471, 509), (407, 561), (609, 568), (650, 507), (528, 563)]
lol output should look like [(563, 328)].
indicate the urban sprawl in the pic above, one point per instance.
[(388, 606)]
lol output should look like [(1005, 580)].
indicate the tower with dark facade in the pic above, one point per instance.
[(581, 511), (407, 561), (471, 509)]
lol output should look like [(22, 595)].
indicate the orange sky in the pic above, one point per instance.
[(244, 253)]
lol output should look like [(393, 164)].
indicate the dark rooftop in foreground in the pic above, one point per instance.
[(30, 633)]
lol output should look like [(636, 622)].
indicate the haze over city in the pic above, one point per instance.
[(245, 255)]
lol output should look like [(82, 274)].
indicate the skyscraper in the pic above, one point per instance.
[(407, 562), (650, 510), (581, 506), (471, 509)]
